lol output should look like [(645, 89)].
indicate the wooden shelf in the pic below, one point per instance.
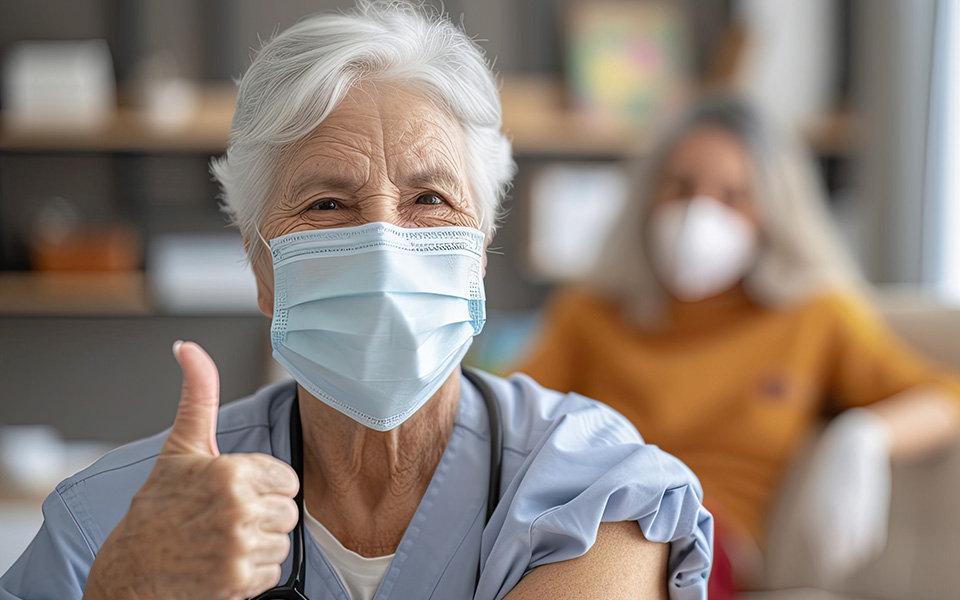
[(534, 116), (538, 122), (131, 130), (73, 293)]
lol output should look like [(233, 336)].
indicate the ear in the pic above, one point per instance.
[(264, 288), (263, 272)]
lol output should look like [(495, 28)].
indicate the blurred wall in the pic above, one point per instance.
[(115, 379), (893, 63)]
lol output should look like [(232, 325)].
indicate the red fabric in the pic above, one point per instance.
[(720, 586)]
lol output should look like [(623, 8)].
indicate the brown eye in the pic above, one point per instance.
[(429, 199), (325, 204)]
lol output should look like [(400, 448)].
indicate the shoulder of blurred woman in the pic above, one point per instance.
[(845, 307), (531, 412)]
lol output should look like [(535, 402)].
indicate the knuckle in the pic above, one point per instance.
[(284, 547), (279, 546), (278, 471), (272, 576), (292, 514), (233, 511), (239, 541), (239, 574), (292, 482), (271, 463), (222, 472), (261, 459), (261, 463)]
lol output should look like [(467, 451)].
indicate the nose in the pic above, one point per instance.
[(383, 207)]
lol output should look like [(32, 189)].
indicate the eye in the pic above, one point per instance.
[(429, 199), (325, 204)]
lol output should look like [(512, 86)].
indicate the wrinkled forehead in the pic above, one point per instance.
[(394, 127)]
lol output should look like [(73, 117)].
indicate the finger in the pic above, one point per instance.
[(280, 514), (195, 427), (272, 551), (271, 475), (261, 579)]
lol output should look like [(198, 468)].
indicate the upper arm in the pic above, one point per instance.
[(872, 363), (57, 561), (620, 564)]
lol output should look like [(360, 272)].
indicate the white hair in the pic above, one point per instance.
[(800, 257), (299, 77)]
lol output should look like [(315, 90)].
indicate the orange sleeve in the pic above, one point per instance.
[(552, 359), (872, 363)]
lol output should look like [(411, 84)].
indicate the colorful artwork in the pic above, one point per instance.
[(627, 61)]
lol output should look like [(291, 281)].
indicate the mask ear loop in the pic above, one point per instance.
[(262, 239)]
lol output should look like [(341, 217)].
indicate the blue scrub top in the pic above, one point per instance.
[(569, 463)]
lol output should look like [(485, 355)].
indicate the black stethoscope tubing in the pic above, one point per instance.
[(292, 589)]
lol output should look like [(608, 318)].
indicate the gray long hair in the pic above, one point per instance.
[(300, 76), (801, 256)]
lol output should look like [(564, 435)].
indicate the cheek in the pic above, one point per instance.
[(437, 216), (286, 218)]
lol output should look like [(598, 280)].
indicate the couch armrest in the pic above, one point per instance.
[(922, 555)]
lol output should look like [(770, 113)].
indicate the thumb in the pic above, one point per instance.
[(195, 427)]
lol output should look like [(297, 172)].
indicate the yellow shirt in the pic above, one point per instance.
[(729, 387)]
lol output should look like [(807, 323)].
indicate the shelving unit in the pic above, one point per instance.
[(534, 114)]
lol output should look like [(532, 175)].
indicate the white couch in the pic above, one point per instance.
[(922, 558)]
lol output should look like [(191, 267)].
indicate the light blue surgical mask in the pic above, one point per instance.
[(373, 319)]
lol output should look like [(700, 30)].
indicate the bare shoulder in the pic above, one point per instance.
[(621, 564)]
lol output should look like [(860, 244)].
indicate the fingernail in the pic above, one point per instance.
[(176, 349)]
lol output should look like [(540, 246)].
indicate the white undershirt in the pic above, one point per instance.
[(360, 576)]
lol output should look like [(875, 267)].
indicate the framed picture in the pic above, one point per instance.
[(572, 208), (627, 61)]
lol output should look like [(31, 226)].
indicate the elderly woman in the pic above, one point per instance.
[(364, 170), (723, 320)]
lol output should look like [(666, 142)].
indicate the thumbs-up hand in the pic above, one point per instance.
[(195, 427), (204, 525)]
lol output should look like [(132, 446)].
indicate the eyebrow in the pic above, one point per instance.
[(438, 177), (435, 177), (327, 182)]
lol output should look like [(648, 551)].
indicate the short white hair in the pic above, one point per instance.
[(299, 77), (801, 256)]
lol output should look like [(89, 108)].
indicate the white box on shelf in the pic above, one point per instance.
[(59, 84)]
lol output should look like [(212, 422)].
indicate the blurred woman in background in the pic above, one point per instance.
[(724, 320)]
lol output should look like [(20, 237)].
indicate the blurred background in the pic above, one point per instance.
[(112, 245)]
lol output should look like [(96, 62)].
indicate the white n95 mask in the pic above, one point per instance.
[(373, 319), (700, 248)]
